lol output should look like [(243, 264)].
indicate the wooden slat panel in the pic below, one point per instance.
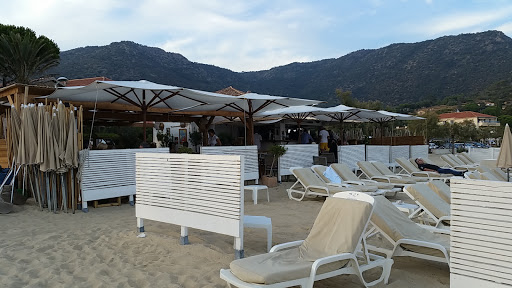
[(201, 186), (399, 151), (351, 154), (480, 232), (250, 153), (298, 155), (378, 153), (419, 151)]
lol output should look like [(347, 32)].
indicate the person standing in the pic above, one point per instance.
[(257, 140), (305, 137), (324, 139), (213, 140)]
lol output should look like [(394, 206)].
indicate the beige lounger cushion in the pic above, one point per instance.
[(430, 200), (384, 170), (397, 226), (441, 189), (337, 229), (347, 175), (308, 178), (370, 170), (320, 169)]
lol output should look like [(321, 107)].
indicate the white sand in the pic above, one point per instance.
[(101, 249)]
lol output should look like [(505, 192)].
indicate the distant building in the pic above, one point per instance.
[(480, 120)]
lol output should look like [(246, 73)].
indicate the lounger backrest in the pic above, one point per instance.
[(319, 170), (441, 189), (495, 171), (429, 199), (464, 159), (456, 160), (369, 169), (489, 176), (338, 228), (383, 169), (307, 177), (345, 172), (392, 221), (406, 165), (448, 160)]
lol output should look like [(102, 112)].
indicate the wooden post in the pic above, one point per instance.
[(25, 96)]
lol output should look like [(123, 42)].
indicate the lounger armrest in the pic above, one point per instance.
[(330, 259), (355, 182), (338, 184), (381, 178), (402, 174), (394, 176), (369, 181), (286, 245), (434, 229), (326, 189), (425, 174), (423, 244)]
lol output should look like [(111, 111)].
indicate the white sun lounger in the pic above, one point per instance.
[(432, 208), (408, 238), (347, 175), (309, 185), (335, 246), (355, 186)]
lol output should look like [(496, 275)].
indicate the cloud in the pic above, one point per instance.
[(457, 22), (505, 28), (428, 1)]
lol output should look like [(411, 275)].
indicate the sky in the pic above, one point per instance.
[(251, 35)]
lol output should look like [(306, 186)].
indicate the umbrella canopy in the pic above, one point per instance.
[(71, 154), (505, 157), (28, 136)]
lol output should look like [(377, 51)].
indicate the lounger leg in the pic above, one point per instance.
[(387, 270), (130, 199), (140, 224), (84, 206), (268, 197), (184, 236), (239, 248)]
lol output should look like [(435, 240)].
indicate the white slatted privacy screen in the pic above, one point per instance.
[(479, 154), (378, 153), (297, 155), (109, 173), (106, 174), (419, 151), (399, 151), (191, 190), (351, 154), (481, 238), (250, 154)]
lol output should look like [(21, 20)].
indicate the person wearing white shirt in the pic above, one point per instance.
[(324, 140)]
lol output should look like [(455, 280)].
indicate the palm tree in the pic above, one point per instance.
[(24, 56)]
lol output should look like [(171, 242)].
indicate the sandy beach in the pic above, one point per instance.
[(101, 249)]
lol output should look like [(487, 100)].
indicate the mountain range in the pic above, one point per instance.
[(399, 73)]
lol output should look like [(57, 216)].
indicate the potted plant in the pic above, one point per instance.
[(276, 151)]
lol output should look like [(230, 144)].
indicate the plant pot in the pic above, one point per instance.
[(269, 181)]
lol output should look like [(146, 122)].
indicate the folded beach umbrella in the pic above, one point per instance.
[(71, 153), (505, 157), (28, 136), (15, 131), (51, 156), (41, 143), (62, 121)]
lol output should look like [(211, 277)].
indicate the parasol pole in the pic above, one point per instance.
[(54, 191), (48, 198), (72, 190), (38, 191), (64, 196)]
